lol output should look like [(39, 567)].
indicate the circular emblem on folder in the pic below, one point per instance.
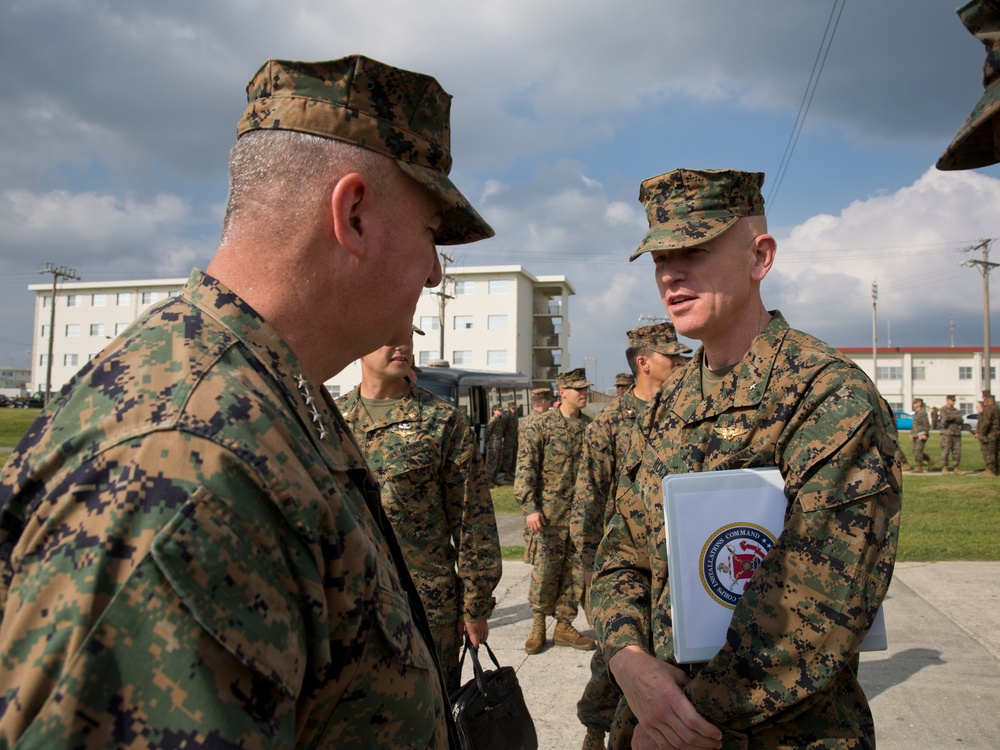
[(730, 557)]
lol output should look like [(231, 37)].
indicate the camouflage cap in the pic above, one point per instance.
[(542, 393), (624, 378), (573, 379), (358, 100), (687, 207), (974, 145), (417, 331), (661, 338)]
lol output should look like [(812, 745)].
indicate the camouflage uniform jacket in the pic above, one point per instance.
[(192, 553), (510, 431), (605, 446), (548, 455), (786, 674), (988, 426), (950, 420), (435, 492), (921, 423)]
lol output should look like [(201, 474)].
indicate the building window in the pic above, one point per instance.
[(69, 359), (498, 286), (97, 329), (120, 327), (124, 299), (149, 298), (46, 301), (72, 330), (99, 300), (74, 300), (889, 373), (464, 288), (918, 373), (334, 391), (965, 373), (429, 323), (426, 356), (463, 322), (45, 331), (461, 357), (43, 360), (496, 322), (496, 357)]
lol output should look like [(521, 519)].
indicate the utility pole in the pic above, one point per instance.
[(57, 273), (984, 268), (951, 331), (592, 361), (443, 298), (875, 333)]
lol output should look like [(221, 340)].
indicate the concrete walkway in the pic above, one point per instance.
[(936, 686)]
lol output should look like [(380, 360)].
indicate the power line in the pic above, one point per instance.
[(807, 98)]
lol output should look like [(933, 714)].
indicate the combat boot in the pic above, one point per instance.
[(536, 641), (594, 740), (930, 464), (567, 635), (917, 470), (944, 470)]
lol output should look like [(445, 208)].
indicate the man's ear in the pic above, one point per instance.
[(764, 248), (352, 206), (642, 363)]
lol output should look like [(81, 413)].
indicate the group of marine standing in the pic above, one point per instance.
[(199, 548)]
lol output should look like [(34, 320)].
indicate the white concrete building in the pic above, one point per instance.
[(498, 318), (87, 317), (929, 372)]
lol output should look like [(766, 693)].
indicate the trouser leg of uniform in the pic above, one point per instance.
[(547, 573), (596, 708), (918, 453), (570, 580), (448, 645), (989, 449)]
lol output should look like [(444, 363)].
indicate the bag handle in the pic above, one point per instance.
[(477, 668)]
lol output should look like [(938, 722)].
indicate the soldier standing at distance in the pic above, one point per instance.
[(623, 381), (919, 432), (653, 353), (510, 430), (548, 456), (192, 549), (950, 420), (494, 445), (435, 492), (541, 402), (988, 434), (757, 394)]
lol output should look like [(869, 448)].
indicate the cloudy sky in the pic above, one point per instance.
[(116, 118)]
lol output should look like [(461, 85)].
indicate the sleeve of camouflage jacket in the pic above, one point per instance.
[(473, 524), (594, 482), (528, 472)]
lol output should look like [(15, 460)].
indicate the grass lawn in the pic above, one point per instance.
[(944, 517)]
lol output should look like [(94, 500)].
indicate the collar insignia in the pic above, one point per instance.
[(731, 433)]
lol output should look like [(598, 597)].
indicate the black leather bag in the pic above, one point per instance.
[(489, 709)]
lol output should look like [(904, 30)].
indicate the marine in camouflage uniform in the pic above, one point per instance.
[(511, 428), (192, 539), (653, 353), (951, 421), (494, 445), (434, 490), (919, 431), (623, 381), (548, 455), (192, 549), (988, 434), (786, 675)]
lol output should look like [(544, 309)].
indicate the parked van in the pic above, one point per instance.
[(476, 392)]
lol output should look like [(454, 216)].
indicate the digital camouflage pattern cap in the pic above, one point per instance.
[(686, 207), (541, 393), (624, 379), (358, 100), (975, 146), (661, 338), (573, 379)]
